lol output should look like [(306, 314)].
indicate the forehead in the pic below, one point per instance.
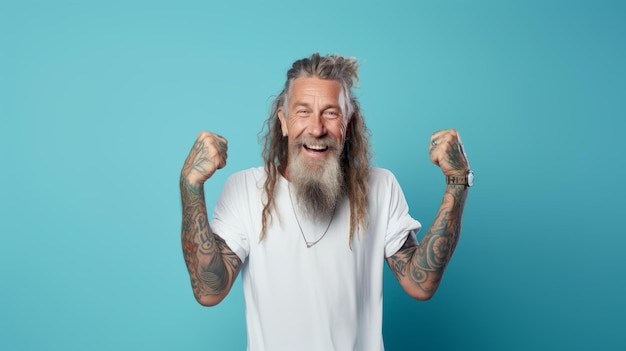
[(307, 88)]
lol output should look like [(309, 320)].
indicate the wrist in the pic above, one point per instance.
[(193, 185), (465, 179)]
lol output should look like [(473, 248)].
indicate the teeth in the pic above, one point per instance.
[(316, 147)]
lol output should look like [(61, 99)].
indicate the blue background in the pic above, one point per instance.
[(101, 101)]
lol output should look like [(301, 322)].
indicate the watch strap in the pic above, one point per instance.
[(457, 180)]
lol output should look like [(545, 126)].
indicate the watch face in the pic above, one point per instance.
[(470, 178)]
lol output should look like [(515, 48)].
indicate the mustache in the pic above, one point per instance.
[(325, 141)]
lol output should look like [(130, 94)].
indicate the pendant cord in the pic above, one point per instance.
[(308, 243)]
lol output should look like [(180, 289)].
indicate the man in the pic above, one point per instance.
[(311, 229)]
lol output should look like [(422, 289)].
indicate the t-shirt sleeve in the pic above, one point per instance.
[(400, 223), (227, 219)]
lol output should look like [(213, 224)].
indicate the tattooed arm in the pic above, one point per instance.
[(419, 267), (212, 266)]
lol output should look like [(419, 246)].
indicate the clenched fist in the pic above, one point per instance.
[(446, 151), (209, 153)]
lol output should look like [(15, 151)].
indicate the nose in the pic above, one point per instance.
[(317, 128)]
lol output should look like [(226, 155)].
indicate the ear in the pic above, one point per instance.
[(283, 121)]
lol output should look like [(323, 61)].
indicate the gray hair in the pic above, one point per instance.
[(356, 155), (331, 67)]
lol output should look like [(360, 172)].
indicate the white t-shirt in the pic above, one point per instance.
[(328, 296)]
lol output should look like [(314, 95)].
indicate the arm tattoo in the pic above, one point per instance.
[(422, 264), (211, 264), (456, 155), (199, 163)]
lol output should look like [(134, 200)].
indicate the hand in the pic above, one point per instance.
[(446, 151), (207, 155)]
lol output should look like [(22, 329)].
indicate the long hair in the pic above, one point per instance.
[(356, 155)]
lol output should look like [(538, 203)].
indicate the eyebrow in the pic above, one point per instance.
[(307, 105)]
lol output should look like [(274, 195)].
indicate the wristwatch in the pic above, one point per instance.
[(467, 180)]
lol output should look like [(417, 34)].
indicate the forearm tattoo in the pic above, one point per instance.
[(211, 264), (423, 263)]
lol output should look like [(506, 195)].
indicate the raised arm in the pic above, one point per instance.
[(212, 266), (419, 267)]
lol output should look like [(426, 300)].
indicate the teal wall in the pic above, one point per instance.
[(100, 103)]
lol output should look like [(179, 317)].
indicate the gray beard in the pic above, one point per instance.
[(318, 184)]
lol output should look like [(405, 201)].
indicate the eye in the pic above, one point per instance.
[(331, 114), (302, 113)]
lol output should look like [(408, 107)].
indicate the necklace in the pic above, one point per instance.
[(309, 244)]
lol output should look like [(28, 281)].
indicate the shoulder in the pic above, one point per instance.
[(380, 172), (245, 181), (255, 174), (381, 176), (383, 184)]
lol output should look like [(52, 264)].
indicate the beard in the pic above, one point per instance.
[(318, 183)]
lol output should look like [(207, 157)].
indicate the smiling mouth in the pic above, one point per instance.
[(316, 148)]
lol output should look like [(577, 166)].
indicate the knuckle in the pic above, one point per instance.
[(203, 134)]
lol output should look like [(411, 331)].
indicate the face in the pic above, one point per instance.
[(314, 122)]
